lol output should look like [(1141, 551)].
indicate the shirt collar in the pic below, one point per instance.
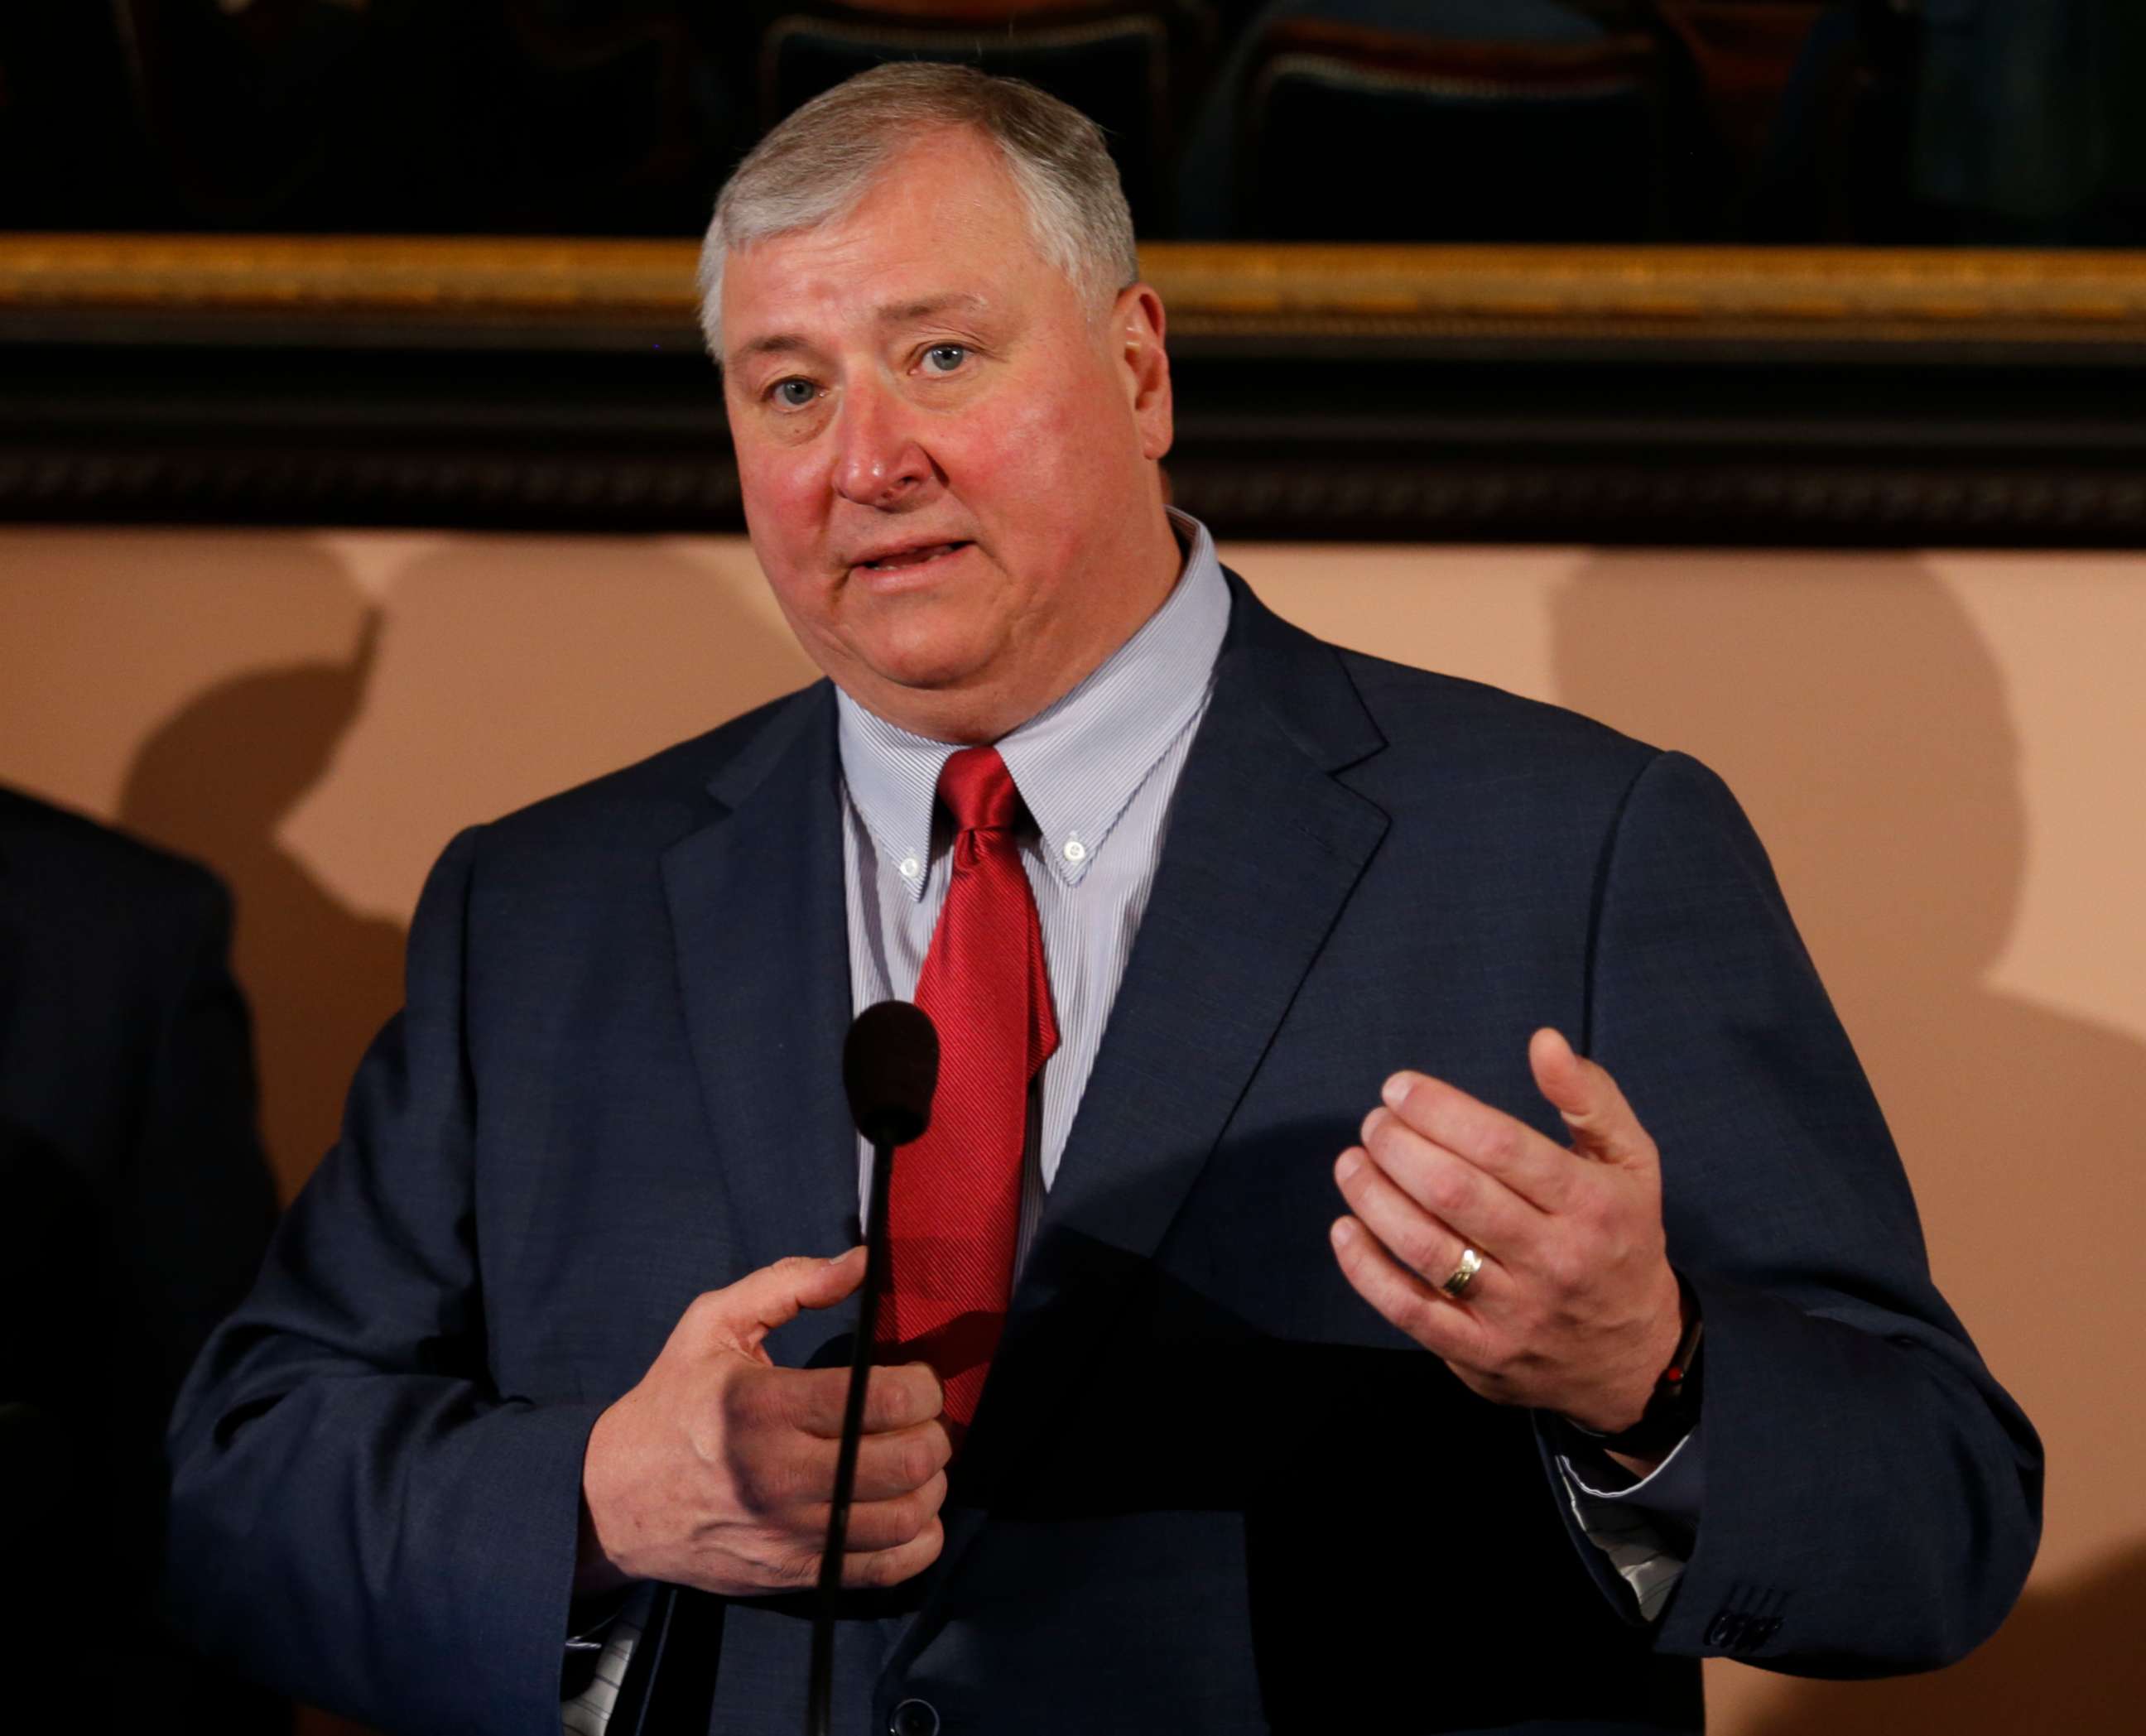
[(1079, 762)]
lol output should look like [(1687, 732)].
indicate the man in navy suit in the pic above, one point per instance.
[(541, 1332)]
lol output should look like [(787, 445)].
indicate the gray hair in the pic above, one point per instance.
[(815, 166)]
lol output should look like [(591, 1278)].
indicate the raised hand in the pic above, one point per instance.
[(717, 1470), (1574, 1308)]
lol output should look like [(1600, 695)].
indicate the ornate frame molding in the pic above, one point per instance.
[(1719, 395), (1222, 290)]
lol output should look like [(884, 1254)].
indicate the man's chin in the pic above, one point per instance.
[(923, 661), (930, 679), (945, 698)]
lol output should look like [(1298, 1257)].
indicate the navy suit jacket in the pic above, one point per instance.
[(134, 1204), (1208, 1490)]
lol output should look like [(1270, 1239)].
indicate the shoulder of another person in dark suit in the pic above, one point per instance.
[(66, 869)]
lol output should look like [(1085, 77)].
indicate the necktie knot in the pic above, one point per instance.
[(979, 792)]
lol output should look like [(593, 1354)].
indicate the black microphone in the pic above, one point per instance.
[(890, 1069)]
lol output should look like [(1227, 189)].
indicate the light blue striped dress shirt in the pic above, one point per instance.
[(1097, 771)]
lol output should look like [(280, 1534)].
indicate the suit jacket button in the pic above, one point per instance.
[(913, 1717)]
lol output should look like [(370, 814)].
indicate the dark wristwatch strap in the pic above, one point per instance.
[(1673, 1407)]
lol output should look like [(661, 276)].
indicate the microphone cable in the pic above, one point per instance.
[(889, 1070)]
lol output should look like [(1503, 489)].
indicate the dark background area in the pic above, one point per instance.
[(1995, 122)]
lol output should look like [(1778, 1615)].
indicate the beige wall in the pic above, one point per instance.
[(1945, 752)]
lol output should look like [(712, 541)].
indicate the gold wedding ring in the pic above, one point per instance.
[(1463, 1274)]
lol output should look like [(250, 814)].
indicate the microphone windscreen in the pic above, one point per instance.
[(890, 1069)]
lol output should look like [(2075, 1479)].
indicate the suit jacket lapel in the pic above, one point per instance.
[(1264, 848), (758, 915)]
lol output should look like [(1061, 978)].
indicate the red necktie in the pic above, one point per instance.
[(954, 1199)]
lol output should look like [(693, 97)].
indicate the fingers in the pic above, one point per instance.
[(898, 1396), (1435, 1321), (1428, 1242), (744, 1312), (890, 1466), (900, 1482), (886, 1537), (1602, 1122), (1540, 1171), (826, 1282), (886, 1524), (884, 1543), (864, 1571), (813, 1399), (794, 1418), (1464, 1197)]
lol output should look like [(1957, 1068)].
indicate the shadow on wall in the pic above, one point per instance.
[(1864, 723), (518, 666), (505, 669), (216, 781)]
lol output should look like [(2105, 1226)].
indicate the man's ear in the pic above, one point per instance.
[(1137, 324)]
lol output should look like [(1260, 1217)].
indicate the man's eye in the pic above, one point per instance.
[(943, 358), (794, 394)]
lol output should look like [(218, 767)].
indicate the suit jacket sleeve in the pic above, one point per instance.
[(1873, 1496), (359, 1514)]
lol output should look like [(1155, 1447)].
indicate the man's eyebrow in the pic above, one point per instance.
[(890, 314), (910, 313), (893, 316), (775, 343)]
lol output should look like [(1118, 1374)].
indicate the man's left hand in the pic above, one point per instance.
[(1574, 1307)]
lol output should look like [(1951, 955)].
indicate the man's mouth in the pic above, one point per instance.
[(896, 559)]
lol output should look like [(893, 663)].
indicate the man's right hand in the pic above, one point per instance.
[(718, 1469)]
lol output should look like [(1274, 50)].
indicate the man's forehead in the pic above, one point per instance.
[(894, 314), (929, 236)]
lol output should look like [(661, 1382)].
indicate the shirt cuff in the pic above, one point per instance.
[(585, 1710), (1672, 1490), (1645, 1525)]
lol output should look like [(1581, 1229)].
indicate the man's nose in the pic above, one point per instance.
[(881, 462)]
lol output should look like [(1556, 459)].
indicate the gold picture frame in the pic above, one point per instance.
[(1690, 395), (1221, 290)]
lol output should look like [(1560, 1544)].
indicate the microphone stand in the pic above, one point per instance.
[(846, 1455)]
